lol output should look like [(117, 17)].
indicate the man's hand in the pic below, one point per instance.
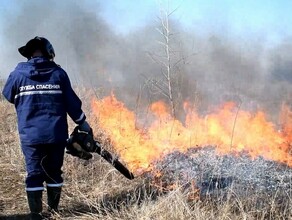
[(81, 142)]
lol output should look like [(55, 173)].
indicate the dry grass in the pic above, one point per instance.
[(95, 190)]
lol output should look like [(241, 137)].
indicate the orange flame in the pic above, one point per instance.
[(229, 129)]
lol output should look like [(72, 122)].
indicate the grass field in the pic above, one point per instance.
[(95, 190)]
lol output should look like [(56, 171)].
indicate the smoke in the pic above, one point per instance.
[(208, 69), (79, 36)]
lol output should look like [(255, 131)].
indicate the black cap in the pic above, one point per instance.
[(30, 47), (37, 43)]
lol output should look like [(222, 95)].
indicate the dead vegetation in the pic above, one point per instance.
[(95, 190)]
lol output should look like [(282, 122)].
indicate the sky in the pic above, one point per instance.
[(248, 17)]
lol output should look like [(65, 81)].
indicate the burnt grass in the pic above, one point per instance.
[(263, 185), (243, 184), (202, 175)]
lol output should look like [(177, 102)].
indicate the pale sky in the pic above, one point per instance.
[(242, 17), (247, 17)]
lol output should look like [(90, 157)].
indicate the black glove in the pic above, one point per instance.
[(81, 143), (83, 135)]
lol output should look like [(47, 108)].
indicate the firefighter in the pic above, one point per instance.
[(43, 97)]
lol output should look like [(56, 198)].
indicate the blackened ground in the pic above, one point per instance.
[(228, 176)]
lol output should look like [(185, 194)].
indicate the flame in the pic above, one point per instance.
[(230, 129)]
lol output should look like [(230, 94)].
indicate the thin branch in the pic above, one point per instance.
[(156, 60), (162, 90), (169, 14)]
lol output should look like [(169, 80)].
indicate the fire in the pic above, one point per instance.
[(230, 129)]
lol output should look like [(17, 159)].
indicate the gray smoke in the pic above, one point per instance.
[(80, 37), (210, 68)]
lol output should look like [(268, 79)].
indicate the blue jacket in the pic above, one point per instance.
[(42, 94)]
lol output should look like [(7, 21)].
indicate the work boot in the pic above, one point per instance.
[(35, 204), (54, 194)]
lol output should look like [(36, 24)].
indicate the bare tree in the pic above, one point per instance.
[(167, 83)]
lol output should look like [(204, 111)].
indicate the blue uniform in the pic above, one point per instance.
[(42, 94)]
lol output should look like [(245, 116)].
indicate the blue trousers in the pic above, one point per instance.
[(43, 164)]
